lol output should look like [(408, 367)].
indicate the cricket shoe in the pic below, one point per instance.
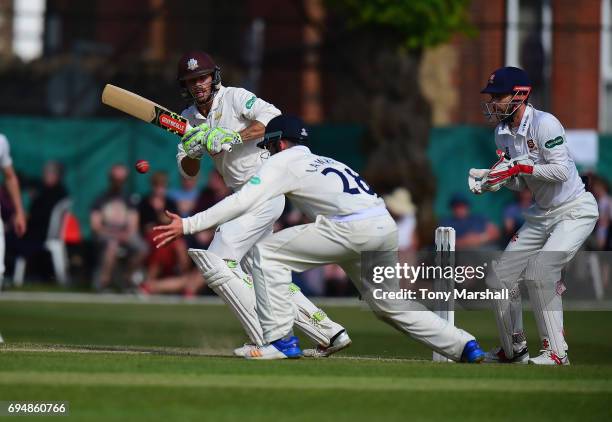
[(342, 341), (498, 355), (548, 357), (472, 353), (245, 349), (280, 349)]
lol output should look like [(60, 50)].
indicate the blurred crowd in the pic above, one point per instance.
[(120, 254)]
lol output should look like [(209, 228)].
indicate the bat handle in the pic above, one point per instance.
[(227, 147)]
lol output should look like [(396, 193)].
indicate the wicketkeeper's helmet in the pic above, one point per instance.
[(506, 80)]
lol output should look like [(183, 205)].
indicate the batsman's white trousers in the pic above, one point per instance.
[(340, 242), (232, 242), (545, 243)]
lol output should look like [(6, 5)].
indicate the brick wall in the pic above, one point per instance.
[(478, 57), (575, 62)]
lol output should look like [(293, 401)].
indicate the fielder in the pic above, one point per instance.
[(12, 186), (532, 152), (221, 115), (349, 219)]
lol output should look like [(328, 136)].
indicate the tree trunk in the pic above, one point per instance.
[(378, 86)]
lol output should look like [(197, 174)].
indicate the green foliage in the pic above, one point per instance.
[(415, 23)]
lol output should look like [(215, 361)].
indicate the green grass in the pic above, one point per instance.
[(166, 362)]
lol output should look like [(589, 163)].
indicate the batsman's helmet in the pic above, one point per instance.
[(506, 80), (193, 65), (285, 126)]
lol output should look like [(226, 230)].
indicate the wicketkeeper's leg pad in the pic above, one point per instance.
[(508, 313), (542, 276)]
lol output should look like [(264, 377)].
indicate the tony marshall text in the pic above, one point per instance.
[(425, 294)]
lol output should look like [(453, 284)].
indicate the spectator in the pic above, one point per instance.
[(214, 191), (171, 260), (399, 203), (45, 197), (114, 223), (513, 213), (472, 231), (185, 197), (189, 281), (599, 189)]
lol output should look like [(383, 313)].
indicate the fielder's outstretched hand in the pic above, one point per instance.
[(171, 231)]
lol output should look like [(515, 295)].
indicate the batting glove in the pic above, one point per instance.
[(194, 141), (219, 137)]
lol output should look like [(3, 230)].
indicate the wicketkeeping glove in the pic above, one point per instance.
[(505, 168), (476, 178), (194, 141), (491, 180)]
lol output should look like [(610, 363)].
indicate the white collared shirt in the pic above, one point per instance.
[(235, 109), (5, 152), (555, 180), (315, 185)]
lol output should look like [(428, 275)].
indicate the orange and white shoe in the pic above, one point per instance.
[(285, 348), (243, 350), (548, 357)]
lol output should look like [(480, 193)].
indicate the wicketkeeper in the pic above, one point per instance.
[(532, 152), (349, 219)]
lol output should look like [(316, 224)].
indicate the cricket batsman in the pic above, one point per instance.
[(226, 115), (349, 218), (533, 153)]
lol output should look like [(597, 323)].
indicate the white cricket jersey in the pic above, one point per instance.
[(235, 109), (555, 179), (5, 152), (314, 184)]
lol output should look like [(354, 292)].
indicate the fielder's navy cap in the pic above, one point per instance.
[(285, 126), (506, 80)]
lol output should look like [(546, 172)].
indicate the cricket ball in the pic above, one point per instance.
[(142, 166)]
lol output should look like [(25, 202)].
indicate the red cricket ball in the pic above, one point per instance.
[(142, 166)]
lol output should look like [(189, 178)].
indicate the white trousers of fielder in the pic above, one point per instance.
[(227, 262), (542, 247), (340, 242)]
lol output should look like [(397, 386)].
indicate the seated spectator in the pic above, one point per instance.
[(472, 231), (513, 213), (399, 203), (186, 196), (45, 196), (114, 224), (189, 282), (173, 259)]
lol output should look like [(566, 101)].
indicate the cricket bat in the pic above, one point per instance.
[(146, 110)]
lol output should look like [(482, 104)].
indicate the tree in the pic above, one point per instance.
[(377, 49)]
